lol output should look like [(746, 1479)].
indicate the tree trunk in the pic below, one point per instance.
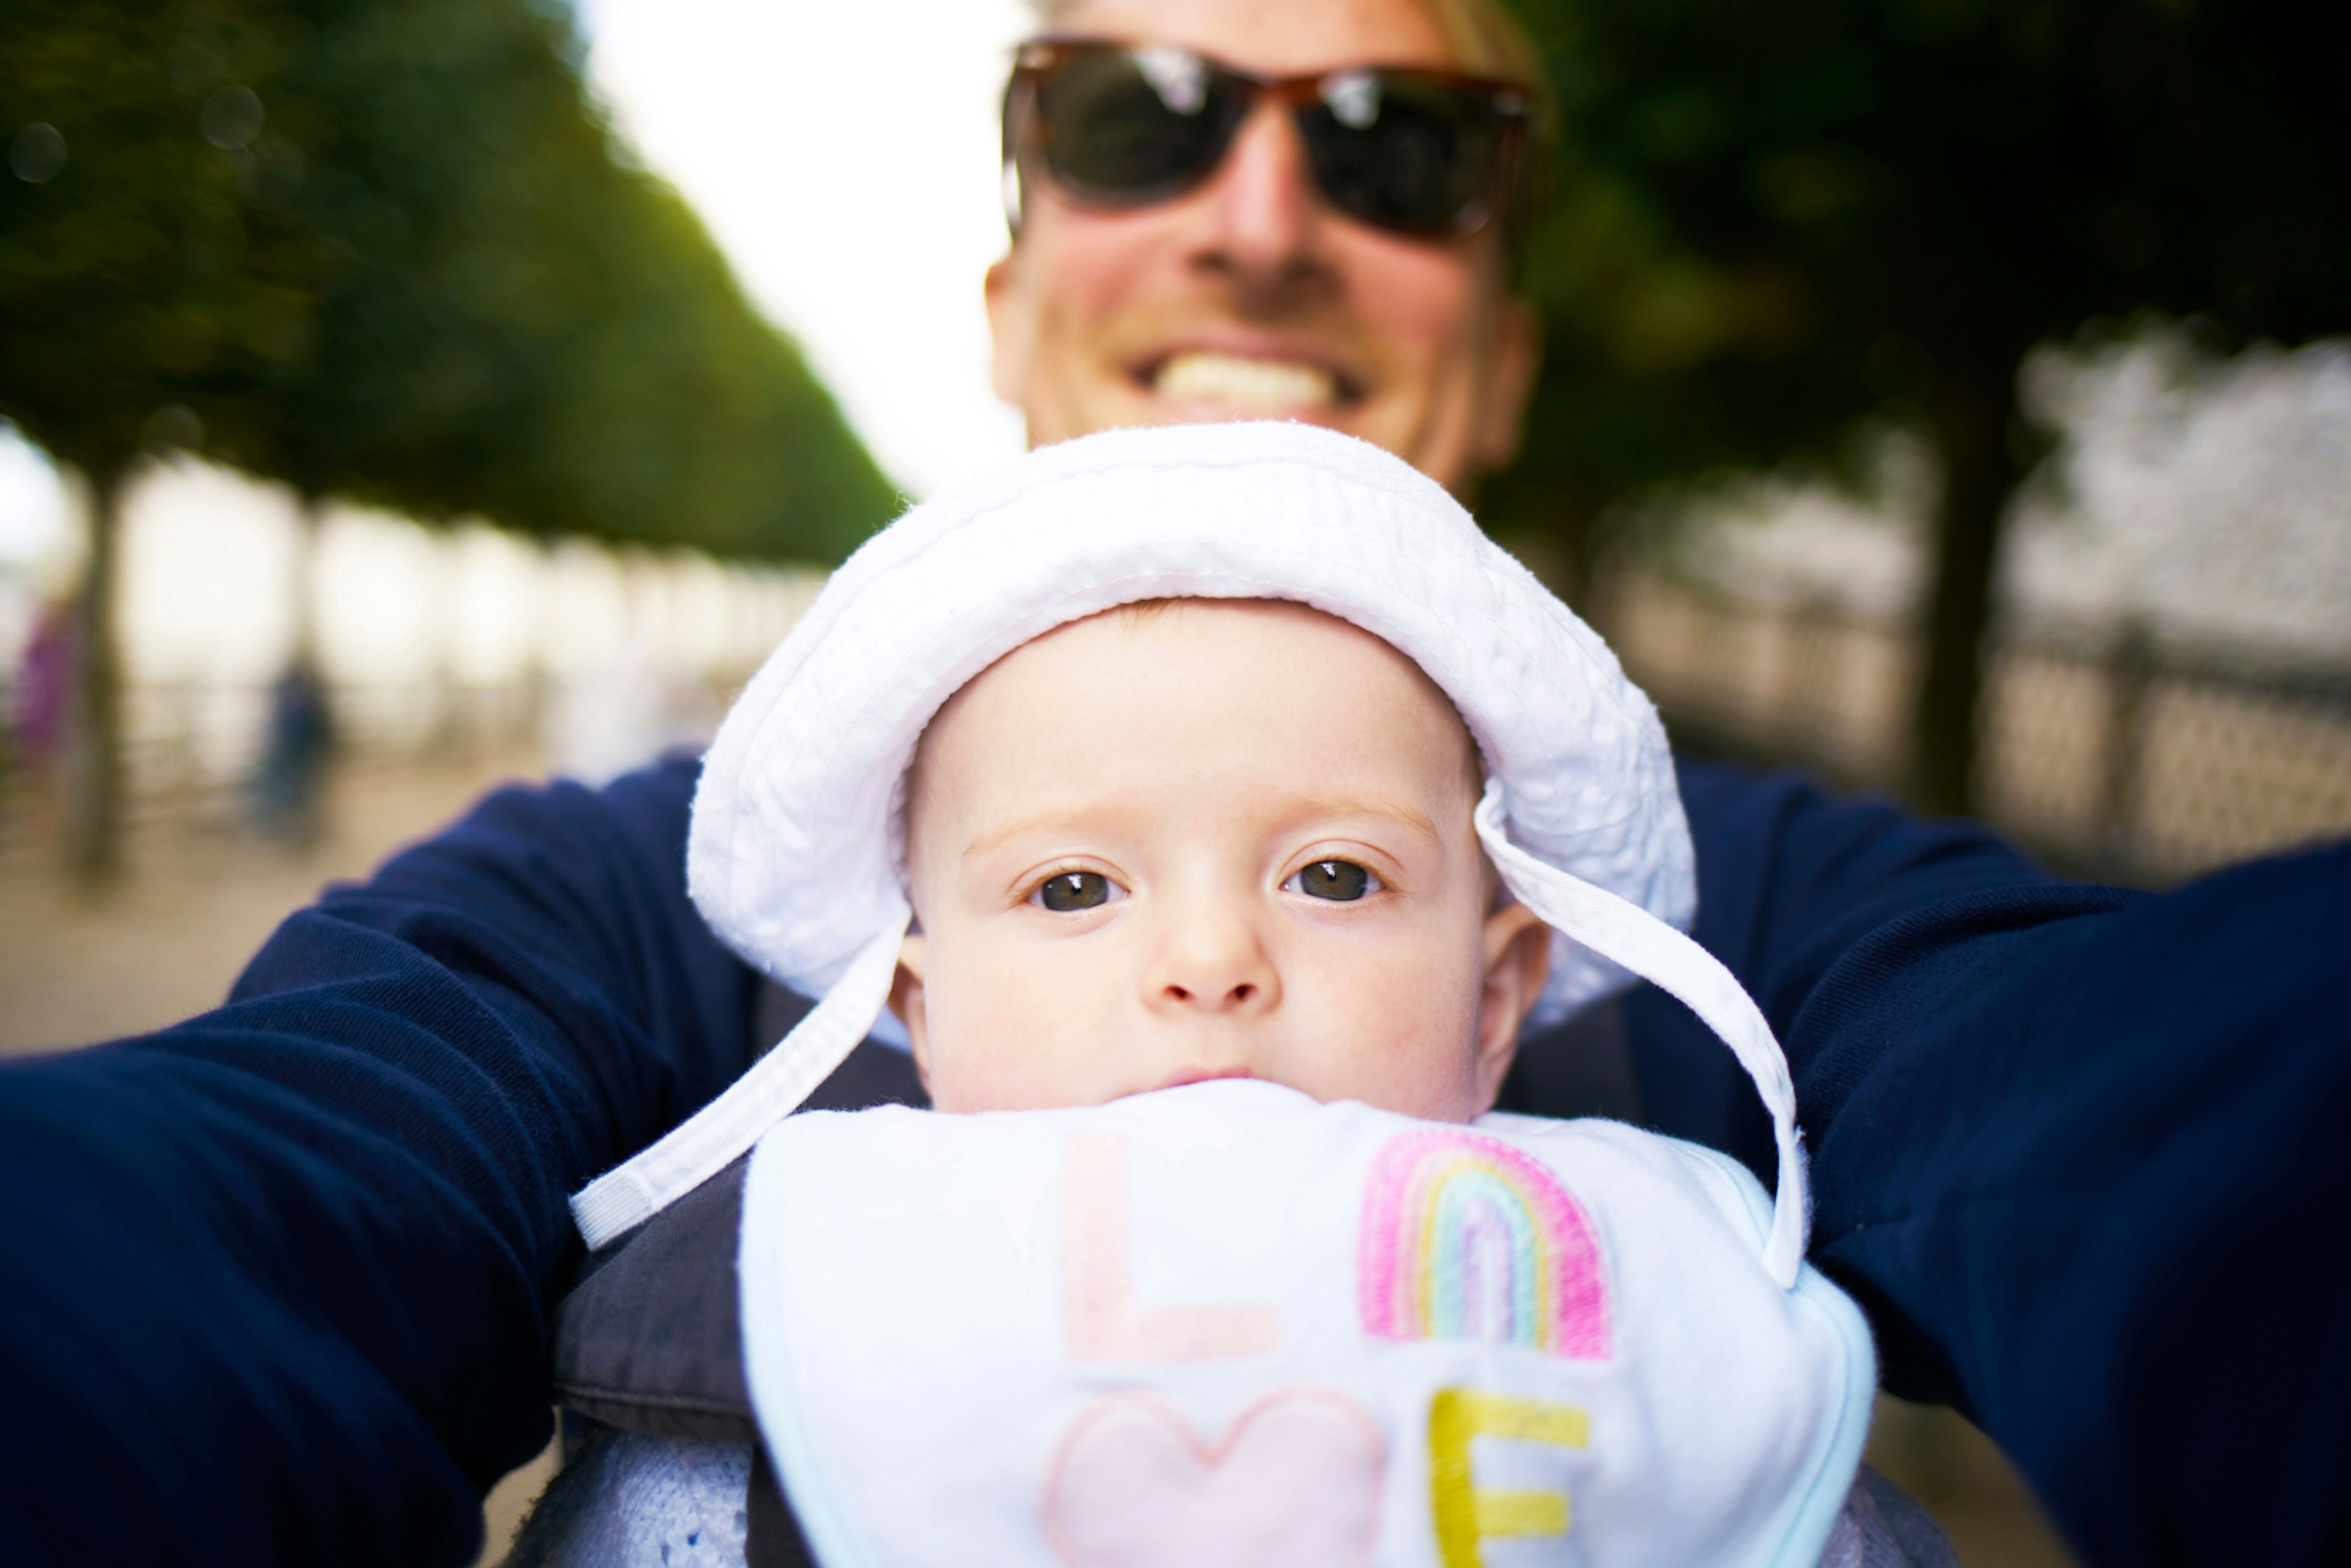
[(1970, 422), (93, 804), (302, 583)]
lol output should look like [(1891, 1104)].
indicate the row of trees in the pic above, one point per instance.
[(388, 251), (1774, 219)]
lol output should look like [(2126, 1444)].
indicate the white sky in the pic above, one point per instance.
[(843, 154), (33, 503)]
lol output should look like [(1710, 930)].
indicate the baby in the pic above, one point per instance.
[(1182, 833), (1201, 839)]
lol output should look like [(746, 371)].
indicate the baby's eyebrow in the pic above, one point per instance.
[(1319, 806), (1033, 822), (1395, 811)]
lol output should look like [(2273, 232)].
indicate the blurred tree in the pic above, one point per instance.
[(389, 251), (128, 281), (1771, 218), (519, 321)]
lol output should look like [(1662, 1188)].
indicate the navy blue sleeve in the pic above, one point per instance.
[(2078, 1151), (274, 1283)]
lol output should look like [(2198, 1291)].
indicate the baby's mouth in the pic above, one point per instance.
[(1205, 1075), (1248, 384)]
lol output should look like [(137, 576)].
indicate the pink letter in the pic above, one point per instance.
[(1103, 1319)]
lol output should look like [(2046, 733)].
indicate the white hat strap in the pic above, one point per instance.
[(1618, 930), (704, 1143), (1626, 934)]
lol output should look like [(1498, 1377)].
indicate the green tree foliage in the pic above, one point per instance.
[(390, 251), (522, 324), (1771, 218)]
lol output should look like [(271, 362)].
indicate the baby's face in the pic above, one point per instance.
[(1207, 839)]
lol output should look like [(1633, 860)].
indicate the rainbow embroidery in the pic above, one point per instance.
[(1465, 1237)]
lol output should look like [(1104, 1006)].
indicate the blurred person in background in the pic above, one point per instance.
[(297, 745), (279, 1280), (37, 715), (44, 685)]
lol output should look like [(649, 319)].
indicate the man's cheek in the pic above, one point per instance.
[(1088, 277)]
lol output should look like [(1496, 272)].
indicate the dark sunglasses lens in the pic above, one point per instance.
[(1134, 127), (1420, 156)]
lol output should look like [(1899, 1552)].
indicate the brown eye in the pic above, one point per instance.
[(1340, 881), (1067, 891)]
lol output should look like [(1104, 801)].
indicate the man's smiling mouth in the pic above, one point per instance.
[(1247, 384)]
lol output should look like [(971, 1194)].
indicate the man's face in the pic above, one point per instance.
[(1219, 839), (1248, 298)]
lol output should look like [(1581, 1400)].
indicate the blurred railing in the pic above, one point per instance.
[(187, 741), (190, 750), (2107, 751)]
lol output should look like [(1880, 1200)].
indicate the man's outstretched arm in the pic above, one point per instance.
[(2078, 1150), (274, 1283)]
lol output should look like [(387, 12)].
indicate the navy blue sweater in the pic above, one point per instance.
[(275, 1283)]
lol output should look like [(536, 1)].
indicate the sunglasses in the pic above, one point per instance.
[(1419, 152)]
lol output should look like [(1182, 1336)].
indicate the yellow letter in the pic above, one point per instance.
[(1468, 1513)]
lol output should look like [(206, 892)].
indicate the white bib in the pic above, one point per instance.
[(1226, 1325)]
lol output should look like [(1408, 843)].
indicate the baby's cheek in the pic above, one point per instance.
[(1011, 1033), (1401, 1037)]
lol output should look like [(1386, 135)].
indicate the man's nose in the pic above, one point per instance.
[(1263, 208), (1211, 961)]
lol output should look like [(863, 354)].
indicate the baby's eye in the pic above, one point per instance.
[(1341, 881), (1066, 892)]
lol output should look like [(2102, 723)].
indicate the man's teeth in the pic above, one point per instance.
[(1258, 385)]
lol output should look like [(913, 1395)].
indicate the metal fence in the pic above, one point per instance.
[(190, 749), (2106, 750)]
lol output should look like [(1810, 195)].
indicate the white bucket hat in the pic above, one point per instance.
[(795, 857)]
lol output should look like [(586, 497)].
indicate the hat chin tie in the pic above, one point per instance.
[(707, 1141), (1629, 936)]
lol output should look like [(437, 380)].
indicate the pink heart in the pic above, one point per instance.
[(1295, 1483)]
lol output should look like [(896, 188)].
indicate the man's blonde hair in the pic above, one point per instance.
[(1486, 41)]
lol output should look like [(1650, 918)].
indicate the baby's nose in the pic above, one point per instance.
[(1212, 961), (1237, 994)]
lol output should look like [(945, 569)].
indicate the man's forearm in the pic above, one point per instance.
[(2105, 1185), (2071, 1146), (276, 1280)]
